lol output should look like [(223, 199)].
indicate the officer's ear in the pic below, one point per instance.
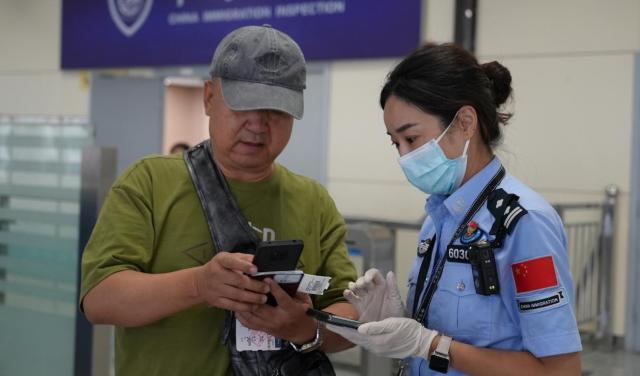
[(467, 121)]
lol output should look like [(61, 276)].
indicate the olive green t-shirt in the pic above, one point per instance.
[(152, 222)]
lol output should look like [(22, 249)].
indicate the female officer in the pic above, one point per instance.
[(490, 292)]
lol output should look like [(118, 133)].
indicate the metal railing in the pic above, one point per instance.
[(590, 229)]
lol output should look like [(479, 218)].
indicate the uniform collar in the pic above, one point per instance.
[(459, 202)]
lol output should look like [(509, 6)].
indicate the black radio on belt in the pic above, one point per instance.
[(483, 266)]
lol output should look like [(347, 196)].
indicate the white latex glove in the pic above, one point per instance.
[(395, 337), (374, 297)]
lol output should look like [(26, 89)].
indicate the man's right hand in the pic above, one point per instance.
[(223, 282), (375, 297)]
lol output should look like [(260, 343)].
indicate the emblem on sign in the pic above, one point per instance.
[(129, 15), (472, 234)]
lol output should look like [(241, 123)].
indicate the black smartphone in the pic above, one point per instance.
[(330, 318), (278, 255), (288, 280)]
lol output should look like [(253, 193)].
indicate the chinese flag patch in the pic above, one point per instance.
[(535, 274)]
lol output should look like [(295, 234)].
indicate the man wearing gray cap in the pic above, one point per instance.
[(151, 266)]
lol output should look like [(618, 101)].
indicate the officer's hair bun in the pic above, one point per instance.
[(500, 81)]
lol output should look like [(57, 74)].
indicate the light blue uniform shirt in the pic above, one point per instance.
[(541, 321)]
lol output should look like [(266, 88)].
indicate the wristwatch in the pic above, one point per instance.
[(439, 359), (314, 344)]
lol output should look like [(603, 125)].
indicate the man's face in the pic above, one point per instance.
[(245, 143)]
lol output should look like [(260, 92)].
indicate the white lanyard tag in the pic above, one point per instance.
[(255, 340)]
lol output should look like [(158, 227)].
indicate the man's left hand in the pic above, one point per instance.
[(395, 337), (288, 320)]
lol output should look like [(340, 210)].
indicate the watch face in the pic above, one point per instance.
[(438, 363)]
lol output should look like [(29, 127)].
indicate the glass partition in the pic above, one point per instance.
[(39, 209)]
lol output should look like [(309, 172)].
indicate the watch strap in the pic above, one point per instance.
[(314, 344), (443, 345), (439, 359)]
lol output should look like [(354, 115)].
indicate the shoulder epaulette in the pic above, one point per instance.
[(506, 210)]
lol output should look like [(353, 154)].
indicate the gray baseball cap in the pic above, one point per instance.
[(260, 68)]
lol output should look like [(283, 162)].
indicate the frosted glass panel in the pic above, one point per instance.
[(39, 209)]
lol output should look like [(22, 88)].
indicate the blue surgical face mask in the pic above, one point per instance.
[(429, 169)]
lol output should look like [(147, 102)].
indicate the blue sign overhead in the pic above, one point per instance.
[(130, 33)]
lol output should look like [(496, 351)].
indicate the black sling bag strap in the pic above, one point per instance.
[(227, 225), (230, 232)]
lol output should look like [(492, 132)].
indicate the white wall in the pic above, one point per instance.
[(184, 117), (30, 79), (572, 70), (572, 66)]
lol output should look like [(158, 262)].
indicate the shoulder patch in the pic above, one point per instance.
[(542, 302), (534, 274)]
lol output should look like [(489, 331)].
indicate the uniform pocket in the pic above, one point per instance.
[(457, 310)]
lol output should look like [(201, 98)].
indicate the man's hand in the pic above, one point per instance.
[(375, 297), (288, 320), (223, 282), (395, 337)]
